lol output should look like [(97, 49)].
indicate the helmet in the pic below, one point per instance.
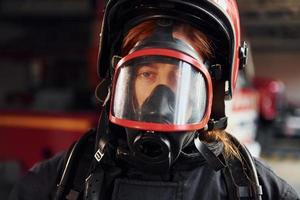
[(218, 18), (150, 108)]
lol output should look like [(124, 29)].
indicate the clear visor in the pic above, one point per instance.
[(161, 90)]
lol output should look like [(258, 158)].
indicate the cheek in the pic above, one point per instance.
[(189, 112)]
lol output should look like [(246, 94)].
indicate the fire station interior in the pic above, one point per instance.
[(48, 58)]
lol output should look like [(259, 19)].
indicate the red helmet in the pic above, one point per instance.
[(217, 18)]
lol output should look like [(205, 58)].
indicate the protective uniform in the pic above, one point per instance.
[(191, 178), (158, 99)]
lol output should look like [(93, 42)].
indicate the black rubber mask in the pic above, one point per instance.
[(156, 151), (159, 106)]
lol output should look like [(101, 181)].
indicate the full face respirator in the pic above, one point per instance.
[(161, 94)]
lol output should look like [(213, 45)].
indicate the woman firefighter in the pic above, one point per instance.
[(166, 68)]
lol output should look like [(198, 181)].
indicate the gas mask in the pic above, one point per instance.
[(162, 94)]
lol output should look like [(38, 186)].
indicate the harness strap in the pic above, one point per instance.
[(60, 190), (239, 179), (256, 188), (102, 136), (72, 180), (213, 160), (230, 184), (241, 176), (93, 185)]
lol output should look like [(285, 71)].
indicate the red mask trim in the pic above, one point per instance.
[(157, 126)]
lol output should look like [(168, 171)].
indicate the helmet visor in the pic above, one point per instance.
[(162, 93)]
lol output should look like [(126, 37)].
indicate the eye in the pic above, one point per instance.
[(146, 73)]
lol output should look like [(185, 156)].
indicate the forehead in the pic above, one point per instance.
[(158, 65)]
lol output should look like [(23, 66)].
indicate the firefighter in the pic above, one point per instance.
[(166, 68)]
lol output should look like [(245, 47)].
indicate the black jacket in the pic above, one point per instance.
[(189, 179)]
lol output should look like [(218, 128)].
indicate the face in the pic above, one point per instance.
[(149, 76)]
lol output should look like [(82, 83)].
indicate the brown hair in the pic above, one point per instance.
[(230, 150), (196, 38), (199, 41)]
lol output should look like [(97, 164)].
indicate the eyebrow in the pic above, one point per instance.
[(156, 65), (150, 65)]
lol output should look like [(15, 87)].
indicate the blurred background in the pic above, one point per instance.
[(48, 56)]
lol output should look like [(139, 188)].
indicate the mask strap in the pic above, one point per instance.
[(219, 124), (162, 37), (162, 32), (218, 119)]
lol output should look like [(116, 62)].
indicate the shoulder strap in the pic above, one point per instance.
[(241, 176), (76, 168), (216, 162)]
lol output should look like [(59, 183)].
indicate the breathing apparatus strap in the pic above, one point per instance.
[(102, 136), (71, 182), (94, 181), (102, 94), (80, 174), (80, 177), (214, 161), (241, 176)]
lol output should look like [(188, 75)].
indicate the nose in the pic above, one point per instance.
[(159, 106), (167, 80)]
